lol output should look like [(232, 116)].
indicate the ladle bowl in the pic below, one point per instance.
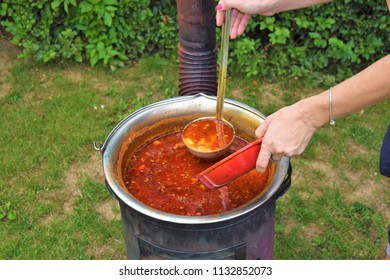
[(208, 138)]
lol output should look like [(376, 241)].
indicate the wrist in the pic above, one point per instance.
[(315, 109)]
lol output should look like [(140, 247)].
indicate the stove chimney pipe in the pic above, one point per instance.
[(197, 48)]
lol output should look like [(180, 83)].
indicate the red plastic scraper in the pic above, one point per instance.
[(231, 167)]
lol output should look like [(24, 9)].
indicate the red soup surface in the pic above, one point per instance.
[(162, 174)]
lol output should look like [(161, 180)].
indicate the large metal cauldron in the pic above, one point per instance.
[(246, 232)]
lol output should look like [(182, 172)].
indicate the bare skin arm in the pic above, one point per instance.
[(243, 9), (289, 130)]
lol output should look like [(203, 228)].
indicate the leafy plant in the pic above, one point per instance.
[(328, 42), (98, 31), (6, 212)]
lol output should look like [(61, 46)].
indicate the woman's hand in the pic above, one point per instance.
[(286, 132), (241, 13), (238, 23), (243, 9)]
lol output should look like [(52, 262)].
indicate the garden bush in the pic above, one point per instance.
[(106, 31), (337, 38)]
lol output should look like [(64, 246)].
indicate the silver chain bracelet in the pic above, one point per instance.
[(331, 121)]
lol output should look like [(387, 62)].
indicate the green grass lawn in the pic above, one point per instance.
[(53, 202)]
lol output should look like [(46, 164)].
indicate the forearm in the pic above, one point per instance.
[(368, 87), (288, 5), (264, 7)]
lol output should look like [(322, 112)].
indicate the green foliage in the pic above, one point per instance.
[(6, 212), (105, 31), (327, 42)]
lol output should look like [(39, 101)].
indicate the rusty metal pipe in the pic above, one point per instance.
[(197, 48)]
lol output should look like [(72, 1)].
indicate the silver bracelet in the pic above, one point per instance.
[(331, 121)]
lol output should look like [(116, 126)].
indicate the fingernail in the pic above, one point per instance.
[(219, 6)]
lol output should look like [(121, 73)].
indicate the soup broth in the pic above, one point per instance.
[(208, 135), (162, 174)]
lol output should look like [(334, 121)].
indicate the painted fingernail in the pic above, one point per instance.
[(219, 6)]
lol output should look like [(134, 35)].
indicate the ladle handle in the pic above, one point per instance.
[(224, 62)]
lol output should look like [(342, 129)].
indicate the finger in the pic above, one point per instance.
[(219, 18), (260, 131), (223, 5), (235, 22), (220, 14), (263, 158), (243, 24)]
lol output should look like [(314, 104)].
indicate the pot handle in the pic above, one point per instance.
[(286, 183), (98, 147), (109, 189)]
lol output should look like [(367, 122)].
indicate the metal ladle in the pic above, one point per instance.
[(221, 124)]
